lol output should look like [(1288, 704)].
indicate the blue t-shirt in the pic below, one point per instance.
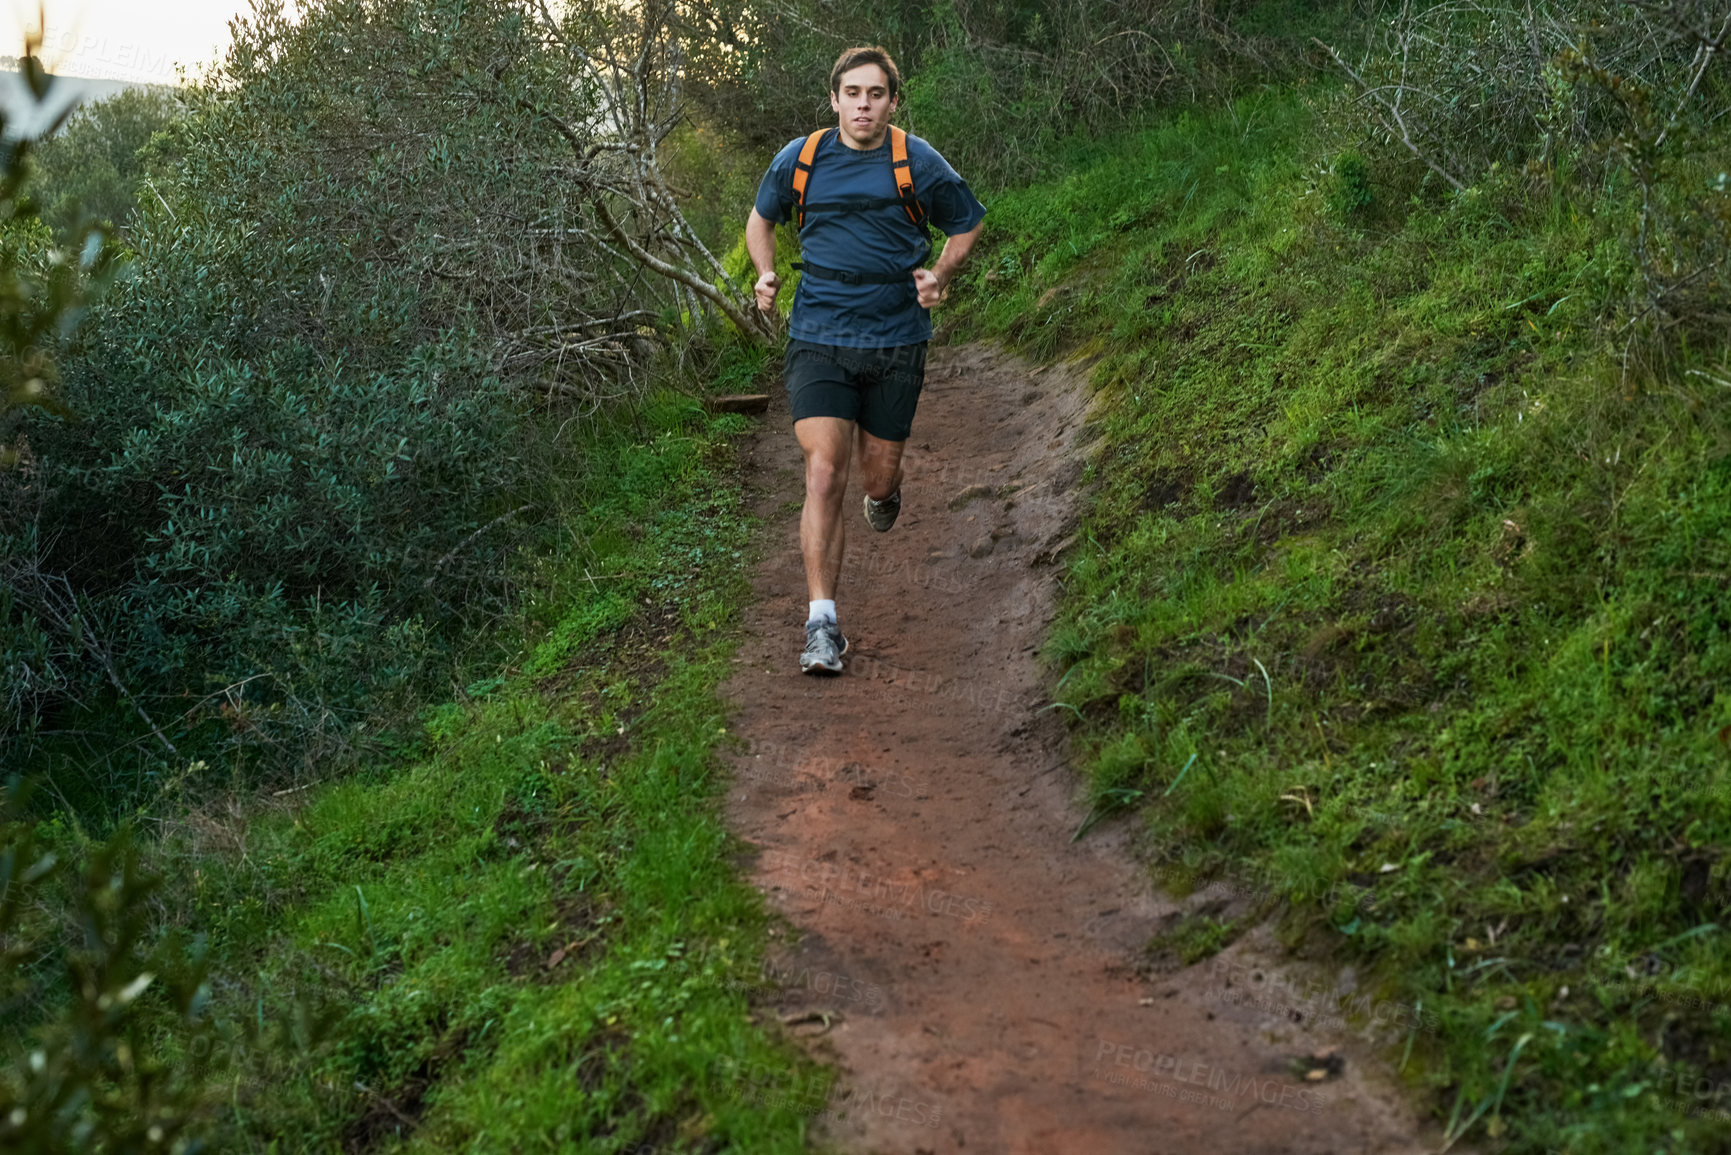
[(865, 316)]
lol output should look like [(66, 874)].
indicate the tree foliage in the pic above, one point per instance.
[(41, 287), (90, 170), (79, 953)]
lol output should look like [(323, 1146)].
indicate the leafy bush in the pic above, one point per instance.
[(41, 298), (113, 1043), (91, 1076), (998, 85), (41, 287), (317, 426)]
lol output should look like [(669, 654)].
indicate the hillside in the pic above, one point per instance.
[(1287, 717)]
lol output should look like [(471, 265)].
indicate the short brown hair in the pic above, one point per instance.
[(865, 54)]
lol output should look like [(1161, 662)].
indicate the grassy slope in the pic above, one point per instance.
[(1438, 607), (567, 805)]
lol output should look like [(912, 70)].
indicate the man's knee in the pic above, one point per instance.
[(824, 477)]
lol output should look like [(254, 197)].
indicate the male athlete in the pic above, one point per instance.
[(861, 195)]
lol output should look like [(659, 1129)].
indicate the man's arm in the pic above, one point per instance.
[(760, 244), (934, 282)]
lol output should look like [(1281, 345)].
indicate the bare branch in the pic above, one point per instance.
[(1391, 114), (754, 326)]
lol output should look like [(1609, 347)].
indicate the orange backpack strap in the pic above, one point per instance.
[(904, 174), (802, 174)]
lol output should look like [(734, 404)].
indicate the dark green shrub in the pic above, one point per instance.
[(1347, 191)]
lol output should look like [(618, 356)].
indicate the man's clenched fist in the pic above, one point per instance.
[(768, 285), (931, 287)]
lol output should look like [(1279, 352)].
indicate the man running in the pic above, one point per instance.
[(861, 194)]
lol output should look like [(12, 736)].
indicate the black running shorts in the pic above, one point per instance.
[(877, 388)]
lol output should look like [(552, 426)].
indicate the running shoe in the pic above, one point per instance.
[(824, 647), (880, 515)]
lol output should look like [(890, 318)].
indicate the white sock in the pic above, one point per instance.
[(822, 608)]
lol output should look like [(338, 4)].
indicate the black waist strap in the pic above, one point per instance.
[(852, 278)]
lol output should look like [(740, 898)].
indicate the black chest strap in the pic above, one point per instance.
[(901, 169)]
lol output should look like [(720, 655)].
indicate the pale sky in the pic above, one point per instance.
[(138, 40)]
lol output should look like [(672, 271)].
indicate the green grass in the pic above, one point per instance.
[(565, 807), (1437, 601)]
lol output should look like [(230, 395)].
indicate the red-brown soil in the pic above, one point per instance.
[(986, 977)]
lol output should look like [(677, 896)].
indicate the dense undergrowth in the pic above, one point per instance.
[(523, 930), (310, 447), (1399, 589)]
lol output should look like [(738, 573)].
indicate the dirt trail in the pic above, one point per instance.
[(913, 819)]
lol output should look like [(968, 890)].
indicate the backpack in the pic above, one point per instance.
[(904, 178)]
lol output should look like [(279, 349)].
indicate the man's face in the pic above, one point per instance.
[(863, 104)]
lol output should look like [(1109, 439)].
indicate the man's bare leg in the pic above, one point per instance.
[(827, 443)]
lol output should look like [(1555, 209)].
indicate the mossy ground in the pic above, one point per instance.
[(1433, 592)]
